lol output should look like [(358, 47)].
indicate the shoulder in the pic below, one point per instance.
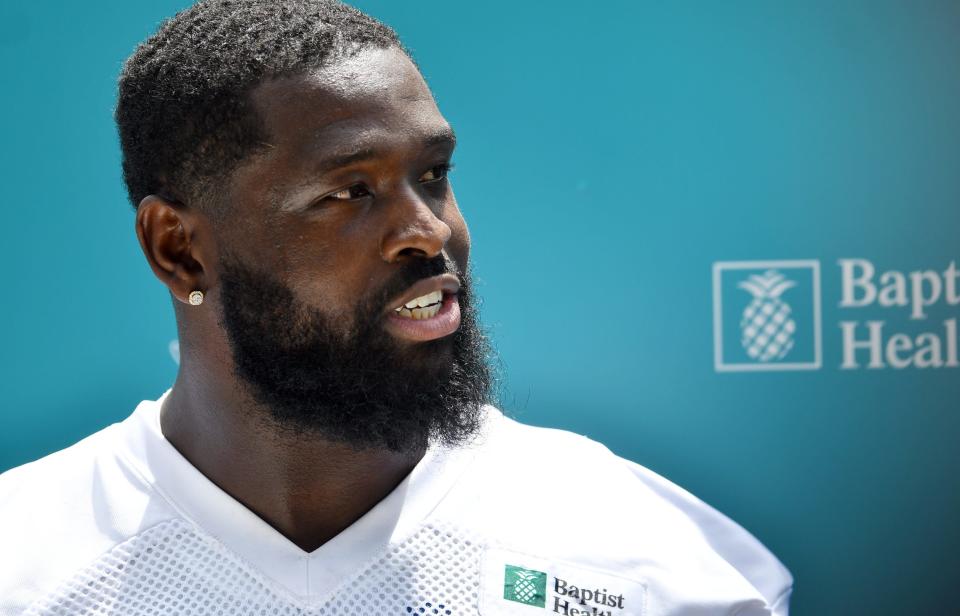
[(40, 490), (555, 492), (733, 543), (62, 511)]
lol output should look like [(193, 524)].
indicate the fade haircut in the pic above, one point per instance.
[(184, 112)]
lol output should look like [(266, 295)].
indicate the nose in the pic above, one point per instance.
[(414, 228)]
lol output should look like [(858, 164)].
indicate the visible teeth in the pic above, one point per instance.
[(430, 311), (424, 300), (419, 313)]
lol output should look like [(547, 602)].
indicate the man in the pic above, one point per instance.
[(327, 447)]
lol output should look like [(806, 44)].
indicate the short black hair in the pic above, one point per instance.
[(184, 114)]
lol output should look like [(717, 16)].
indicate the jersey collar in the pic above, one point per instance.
[(308, 576)]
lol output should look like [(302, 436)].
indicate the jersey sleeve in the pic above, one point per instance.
[(731, 541)]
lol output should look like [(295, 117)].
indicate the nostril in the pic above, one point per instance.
[(412, 252)]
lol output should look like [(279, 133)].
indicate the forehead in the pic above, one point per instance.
[(373, 96)]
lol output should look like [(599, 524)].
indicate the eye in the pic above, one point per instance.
[(436, 173), (352, 192)]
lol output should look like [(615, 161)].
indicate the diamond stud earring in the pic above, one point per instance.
[(196, 298)]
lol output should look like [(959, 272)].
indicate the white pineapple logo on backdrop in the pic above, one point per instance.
[(766, 324)]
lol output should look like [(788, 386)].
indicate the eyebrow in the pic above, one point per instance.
[(444, 136)]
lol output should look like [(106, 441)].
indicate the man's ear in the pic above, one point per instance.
[(170, 236)]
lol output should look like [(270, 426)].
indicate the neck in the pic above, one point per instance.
[(307, 488)]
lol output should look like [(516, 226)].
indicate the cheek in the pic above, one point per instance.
[(321, 268), (329, 279)]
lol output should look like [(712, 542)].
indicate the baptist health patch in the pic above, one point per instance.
[(518, 584)]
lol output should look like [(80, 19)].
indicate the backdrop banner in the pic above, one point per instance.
[(720, 238)]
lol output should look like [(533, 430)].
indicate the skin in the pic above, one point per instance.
[(334, 235)]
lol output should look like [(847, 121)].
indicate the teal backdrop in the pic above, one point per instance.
[(617, 162)]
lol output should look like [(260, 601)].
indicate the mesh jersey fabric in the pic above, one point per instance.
[(120, 523), (173, 568)]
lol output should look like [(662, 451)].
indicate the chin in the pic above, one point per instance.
[(433, 355)]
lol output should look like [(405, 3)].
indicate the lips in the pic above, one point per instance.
[(435, 320)]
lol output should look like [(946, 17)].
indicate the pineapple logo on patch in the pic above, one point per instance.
[(525, 586), (766, 315)]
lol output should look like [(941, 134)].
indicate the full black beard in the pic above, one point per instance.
[(362, 389)]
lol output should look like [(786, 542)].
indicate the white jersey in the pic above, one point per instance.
[(524, 521)]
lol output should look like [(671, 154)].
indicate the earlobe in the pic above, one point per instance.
[(167, 232)]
